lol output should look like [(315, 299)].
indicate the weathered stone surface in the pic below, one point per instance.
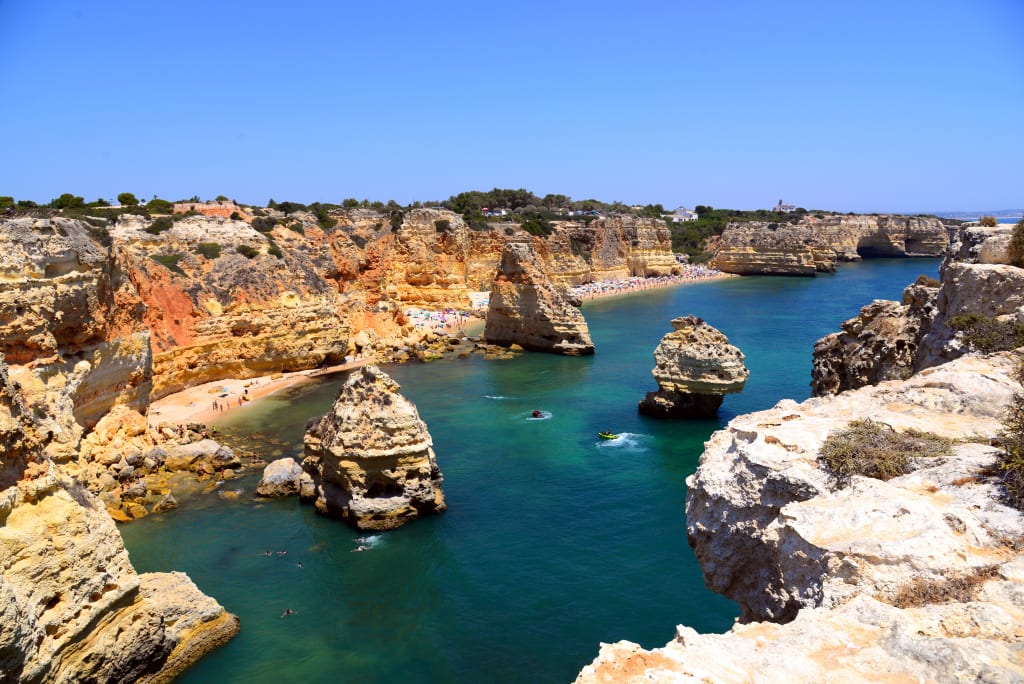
[(891, 340), (849, 571), (280, 478), (527, 309), (695, 366), (371, 456), (73, 607), (815, 244)]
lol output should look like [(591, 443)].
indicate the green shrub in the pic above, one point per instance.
[(160, 206), (323, 216), (396, 220), (987, 334), (210, 250), (874, 449), (247, 251), (296, 228), (160, 225), (235, 216), (264, 224), (169, 261), (988, 221), (1016, 247), (1011, 462), (273, 249)]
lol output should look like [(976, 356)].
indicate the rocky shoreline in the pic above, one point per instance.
[(918, 578), (102, 320)]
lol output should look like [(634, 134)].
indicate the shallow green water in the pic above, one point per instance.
[(554, 540)]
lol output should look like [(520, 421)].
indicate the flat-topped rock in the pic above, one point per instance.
[(695, 367)]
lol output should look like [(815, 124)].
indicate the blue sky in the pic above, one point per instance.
[(861, 106)]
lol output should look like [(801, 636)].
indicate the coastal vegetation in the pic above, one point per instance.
[(988, 334), (169, 261), (874, 449), (1010, 466), (1016, 246), (210, 250)]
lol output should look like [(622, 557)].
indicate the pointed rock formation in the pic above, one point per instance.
[(371, 456), (528, 310), (695, 366)]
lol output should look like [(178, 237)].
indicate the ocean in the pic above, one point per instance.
[(554, 540)]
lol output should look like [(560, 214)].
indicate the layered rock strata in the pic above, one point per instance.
[(919, 578), (371, 457), (695, 367), (74, 608), (527, 309), (814, 244)]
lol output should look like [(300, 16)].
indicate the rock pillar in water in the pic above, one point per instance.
[(695, 366), (527, 309), (371, 456)]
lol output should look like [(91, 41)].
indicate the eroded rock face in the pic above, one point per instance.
[(815, 244), (848, 572), (695, 367), (527, 309), (74, 608), (371, 457), (891, 340)]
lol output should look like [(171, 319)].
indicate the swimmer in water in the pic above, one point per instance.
[(359, 548), (288, 611)]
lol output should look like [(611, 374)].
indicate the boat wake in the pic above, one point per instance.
[(629, 441), (496, 397), (544, 415)]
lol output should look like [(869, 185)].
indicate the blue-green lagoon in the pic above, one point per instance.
[(554, 540)]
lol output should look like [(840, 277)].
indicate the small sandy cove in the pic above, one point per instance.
[(196, 404)]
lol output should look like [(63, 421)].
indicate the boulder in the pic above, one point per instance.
[(280, 478), (695, 367), (371, 457), (527, 309)]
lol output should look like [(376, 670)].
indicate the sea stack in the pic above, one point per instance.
[(527, 309), (371, 457), (695, 367)]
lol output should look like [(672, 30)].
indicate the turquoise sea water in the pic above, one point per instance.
[(554, 540)]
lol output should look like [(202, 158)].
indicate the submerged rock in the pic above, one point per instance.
[(695, 367), (527, 309), (371, 457)]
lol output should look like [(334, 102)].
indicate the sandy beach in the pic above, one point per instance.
[(212, 400)]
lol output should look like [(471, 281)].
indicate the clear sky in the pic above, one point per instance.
[(867, 105)]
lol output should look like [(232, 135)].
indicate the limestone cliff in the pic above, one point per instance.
[(608, 248), (527, 309), (814, 244), (695, 367), (890, 340), (371, 457), (74, 609), (919, 578)]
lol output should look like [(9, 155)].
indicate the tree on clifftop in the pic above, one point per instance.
[(988, 221), (68, 201), (127, 199)]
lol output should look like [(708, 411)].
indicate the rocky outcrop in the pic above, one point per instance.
[(371, 457), (878, 577), (815, 244), (283, 477), (527, 309), (881, 343), (74, 608), (608, 248), (695, 367), (891, 340)]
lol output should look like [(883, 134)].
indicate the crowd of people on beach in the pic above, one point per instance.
[(600, 288), (448, 319)]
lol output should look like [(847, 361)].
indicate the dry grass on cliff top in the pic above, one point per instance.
[(960, 588), (874, 449)]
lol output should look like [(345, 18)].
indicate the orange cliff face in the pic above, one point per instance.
[(213, 297)]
